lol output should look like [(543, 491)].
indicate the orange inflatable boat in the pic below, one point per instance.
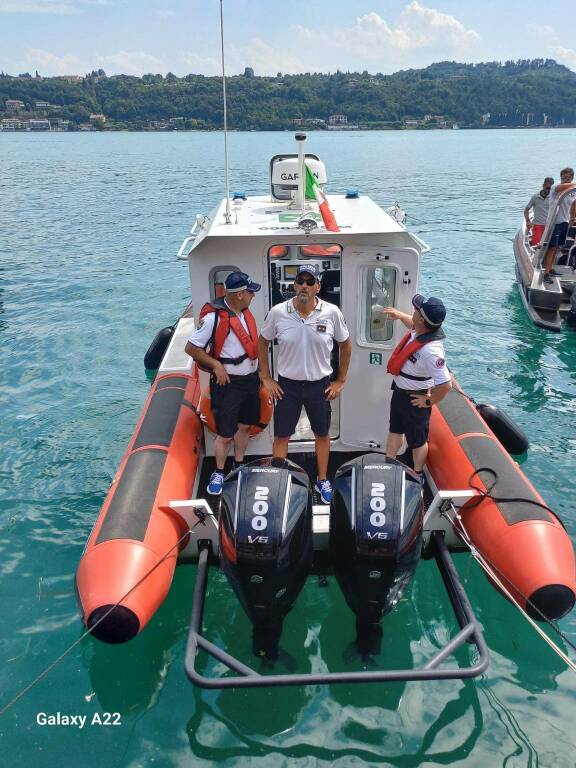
[(125, 572), (524, 542), (133, 532)]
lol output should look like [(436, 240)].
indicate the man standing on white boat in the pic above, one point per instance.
[(228, 329), (539, 204), (306, 328), (421, 378), (561, 199)]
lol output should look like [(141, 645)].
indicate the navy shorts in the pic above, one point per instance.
[(407, 419), (559, 234), (235, 403), (311, 395)]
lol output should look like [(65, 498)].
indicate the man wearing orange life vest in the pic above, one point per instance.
[(421, 378), (228, 327)]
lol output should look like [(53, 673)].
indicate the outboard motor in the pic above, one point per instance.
[(375, 538), (266, 543)]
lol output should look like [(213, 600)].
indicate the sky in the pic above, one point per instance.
[(67, 37)]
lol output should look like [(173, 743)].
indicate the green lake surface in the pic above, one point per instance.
[(89, 228)]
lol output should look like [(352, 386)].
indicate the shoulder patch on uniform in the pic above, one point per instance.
[(440, 363)]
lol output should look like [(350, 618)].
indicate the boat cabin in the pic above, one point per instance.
[(372, 262)]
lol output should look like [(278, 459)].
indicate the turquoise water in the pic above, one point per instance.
[(90, 225)]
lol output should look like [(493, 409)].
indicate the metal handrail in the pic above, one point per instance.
[(194, 232), (247, 677)]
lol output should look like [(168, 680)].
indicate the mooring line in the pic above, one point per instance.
[(63, 655)]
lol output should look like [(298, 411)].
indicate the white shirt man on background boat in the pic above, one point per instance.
[(566, 193), (420, 377), (538, 204), (306, 328)]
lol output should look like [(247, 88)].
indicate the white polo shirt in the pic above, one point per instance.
[(428, 361), (305, 343), (232, 347)]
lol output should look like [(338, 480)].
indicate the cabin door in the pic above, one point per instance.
[(283, 263), (373, 278)]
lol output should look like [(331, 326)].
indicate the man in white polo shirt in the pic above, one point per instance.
[(305, 327)]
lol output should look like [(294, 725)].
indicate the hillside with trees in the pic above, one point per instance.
[(514, 93)]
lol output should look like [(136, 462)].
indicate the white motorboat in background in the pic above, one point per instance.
[(546, 302)]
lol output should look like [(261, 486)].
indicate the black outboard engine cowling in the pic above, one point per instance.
[(375, 538), (266, 543)]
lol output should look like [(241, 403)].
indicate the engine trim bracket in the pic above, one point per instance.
[(246, 677)]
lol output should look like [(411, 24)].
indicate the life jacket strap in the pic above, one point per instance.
[(233, 360), (414, 378)]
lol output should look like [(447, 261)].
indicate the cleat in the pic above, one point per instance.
[(214, 487), (324, 488)]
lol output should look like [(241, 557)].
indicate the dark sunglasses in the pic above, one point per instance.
[(305, 281)]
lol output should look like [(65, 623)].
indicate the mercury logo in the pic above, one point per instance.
[(378, 466)]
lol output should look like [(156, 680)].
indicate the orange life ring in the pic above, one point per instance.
[(266, 410), (278, 251), (320, 250)]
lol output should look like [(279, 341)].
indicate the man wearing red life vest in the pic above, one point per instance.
[(228, 328), (421, 378)]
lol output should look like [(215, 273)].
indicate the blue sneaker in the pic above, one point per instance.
[(324, 488), (216, 481)]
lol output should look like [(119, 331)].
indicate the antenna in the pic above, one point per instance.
[(300, 199), (227, 214)]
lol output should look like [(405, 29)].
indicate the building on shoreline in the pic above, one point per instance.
[(14, 106)]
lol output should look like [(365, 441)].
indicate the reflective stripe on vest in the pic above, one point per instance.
[(227, 320)]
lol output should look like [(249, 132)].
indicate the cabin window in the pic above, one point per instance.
[(216, 280), (380, 292), (284, 263)]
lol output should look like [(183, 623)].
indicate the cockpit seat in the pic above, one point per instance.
[(330, 286)]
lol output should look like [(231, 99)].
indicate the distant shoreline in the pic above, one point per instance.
[(362, 129)]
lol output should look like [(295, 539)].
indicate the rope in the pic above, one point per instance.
[(63, 655), (499, 578)]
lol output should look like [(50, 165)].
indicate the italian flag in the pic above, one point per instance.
[(313, 192)]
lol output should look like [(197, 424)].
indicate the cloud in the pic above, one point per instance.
[(58, 7), (131, 63), (166, 14), (50, 64), (121, 63), (265, 59), (200, 65), (418, 28), (36, 6), (565, 56), (428, 26), (543, 32)]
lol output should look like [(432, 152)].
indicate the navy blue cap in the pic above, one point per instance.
[(432, 310), (239, 281), (311, 269)]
